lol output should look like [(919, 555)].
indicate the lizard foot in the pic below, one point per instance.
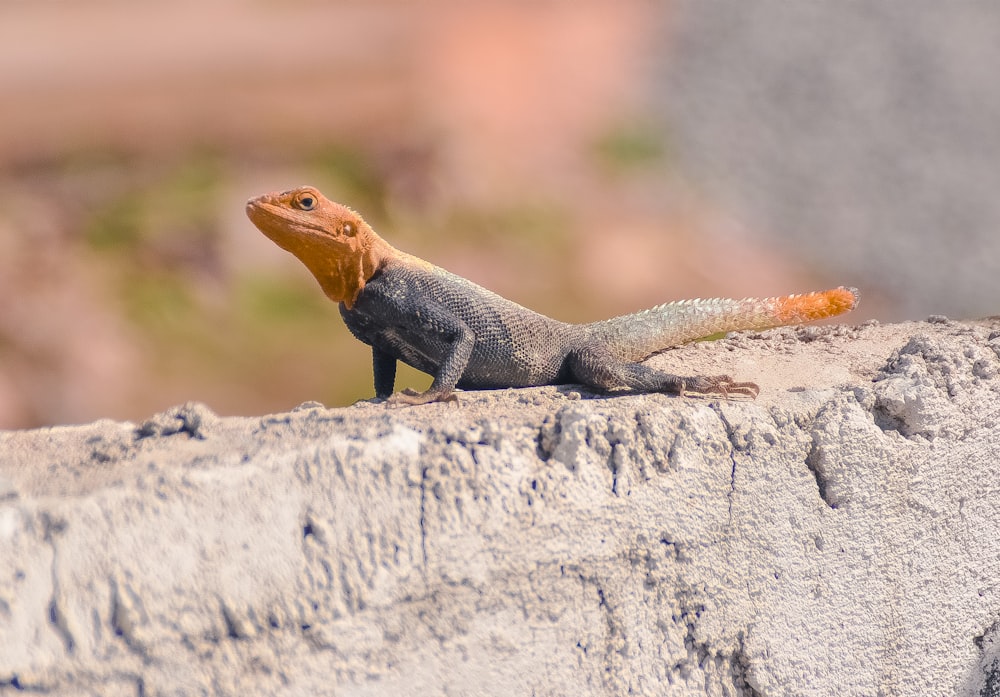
[(719, 384), (410, 397)]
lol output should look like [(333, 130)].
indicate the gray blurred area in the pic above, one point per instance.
[(864, 135)]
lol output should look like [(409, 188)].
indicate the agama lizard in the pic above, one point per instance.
[(465, 336)]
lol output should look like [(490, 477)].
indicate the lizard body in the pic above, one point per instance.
[(468, 337)]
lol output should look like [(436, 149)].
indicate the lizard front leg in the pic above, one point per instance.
[(460, 340), (384, 370)]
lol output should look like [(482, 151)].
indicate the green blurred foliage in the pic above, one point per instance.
[(630, 147), (150, 213), (524, 224), (352, 174)]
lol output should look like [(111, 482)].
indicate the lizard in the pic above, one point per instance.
[(468, 337)]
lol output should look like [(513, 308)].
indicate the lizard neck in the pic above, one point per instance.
[(343, 276)]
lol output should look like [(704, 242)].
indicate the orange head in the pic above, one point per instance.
[(334, 242)]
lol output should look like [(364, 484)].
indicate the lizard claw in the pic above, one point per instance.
[(409, 397), (720, 384)]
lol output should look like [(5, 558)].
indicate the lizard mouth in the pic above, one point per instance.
[(277, 222), (260, 210)]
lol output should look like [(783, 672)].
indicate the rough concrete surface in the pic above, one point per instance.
[(839, 535)]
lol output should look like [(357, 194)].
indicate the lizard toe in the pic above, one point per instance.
[(720, 384)]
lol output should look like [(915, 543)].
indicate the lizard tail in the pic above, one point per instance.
[(636, 336)]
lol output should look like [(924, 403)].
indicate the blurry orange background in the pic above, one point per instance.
[(517, 144)]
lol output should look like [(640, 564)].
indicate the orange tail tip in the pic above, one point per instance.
[(811, 306)]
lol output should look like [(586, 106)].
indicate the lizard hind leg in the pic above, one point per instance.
[(603, 371)]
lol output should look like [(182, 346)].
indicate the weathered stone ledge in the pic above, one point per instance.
[(835, 536)]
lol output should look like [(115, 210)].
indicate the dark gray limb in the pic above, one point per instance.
[(461, 340), (384, 369)]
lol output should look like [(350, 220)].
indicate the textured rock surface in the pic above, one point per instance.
[(839, 535)]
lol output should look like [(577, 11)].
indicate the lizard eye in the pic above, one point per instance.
[(305, 201), (349, 229)]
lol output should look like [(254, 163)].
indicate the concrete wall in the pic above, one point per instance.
[(830, 539)]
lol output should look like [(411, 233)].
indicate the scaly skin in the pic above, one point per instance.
[(468, 337)]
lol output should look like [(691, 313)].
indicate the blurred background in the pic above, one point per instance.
[(584, 158)]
